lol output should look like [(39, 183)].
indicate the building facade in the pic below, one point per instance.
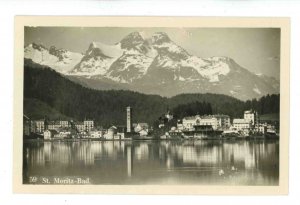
[(223, 121), (64, 123), (39, 125), (209, 120), (241, 124), (26, 125), (188, 123), (251, 116), (79, 126), (88, 125), (50, 134), (53, 125)]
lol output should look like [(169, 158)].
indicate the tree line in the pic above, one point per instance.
[(109, 107)]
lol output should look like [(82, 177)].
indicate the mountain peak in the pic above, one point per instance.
[(131, 40), (36, 46), (160, 37)]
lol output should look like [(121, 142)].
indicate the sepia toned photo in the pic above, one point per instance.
[(151, 105)]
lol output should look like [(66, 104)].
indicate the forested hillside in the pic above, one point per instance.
[(109, 107)]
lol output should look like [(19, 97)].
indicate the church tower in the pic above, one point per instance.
[(129, 115)]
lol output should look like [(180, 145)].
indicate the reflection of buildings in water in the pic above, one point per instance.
[(242, 154), (36, 155), (60, 153), (75, 152), (141, 152), (169, 162), (47, 151), (129, 161), (111, 149)]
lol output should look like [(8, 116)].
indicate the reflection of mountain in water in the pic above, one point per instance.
[(198, 162)]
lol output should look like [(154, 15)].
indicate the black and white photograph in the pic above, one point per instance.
[(147, 105)]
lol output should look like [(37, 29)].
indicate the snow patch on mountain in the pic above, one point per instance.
[(93, 66), (255, 89), (113, 51), (154, 65), (60, 60)]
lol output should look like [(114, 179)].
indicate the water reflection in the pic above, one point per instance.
[(156, 162)]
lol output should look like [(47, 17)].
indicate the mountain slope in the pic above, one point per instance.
[(36, 109), (108, 107), (60, 60), (157, 65)]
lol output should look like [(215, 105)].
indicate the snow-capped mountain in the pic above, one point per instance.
[(154, 65), (60, 60)]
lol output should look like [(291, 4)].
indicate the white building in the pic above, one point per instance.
[(64, 123), (63, 133), (88, 125), (96, 133), (179, 125), (169, 116), (111, 132), (241, 124), (53, 125), (49, 134), (223, 121), (189, 122), (79, 126), (209, 120), (140, 126), (262, 128), (39, 125), (251, 116)]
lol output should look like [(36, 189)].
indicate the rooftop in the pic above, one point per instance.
[(240, 121)]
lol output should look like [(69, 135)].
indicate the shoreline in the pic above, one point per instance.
[(126, 140)]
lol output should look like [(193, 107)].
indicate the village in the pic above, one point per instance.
[(217, 126)]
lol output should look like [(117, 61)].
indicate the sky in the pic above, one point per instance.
[(256, 49)]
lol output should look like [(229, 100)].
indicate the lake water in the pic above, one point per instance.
[(153, 162)]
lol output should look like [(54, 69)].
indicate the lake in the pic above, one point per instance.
[(202, 162)]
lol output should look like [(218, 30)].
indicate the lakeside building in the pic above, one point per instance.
[(39, 125), (218, 122), (262, 128), (79, 126), (189, 122), (63, 132), (88, 125), (223, 121), (209, 120), (169, 116), (110, 132), (96, 133), (49, 134), (251, 116), (249, 122), (137, 127), (241, 124), (179, 125), (26, 125), (64, 123), (53, 125)]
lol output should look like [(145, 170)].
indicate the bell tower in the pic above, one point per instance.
[(129, 115)]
